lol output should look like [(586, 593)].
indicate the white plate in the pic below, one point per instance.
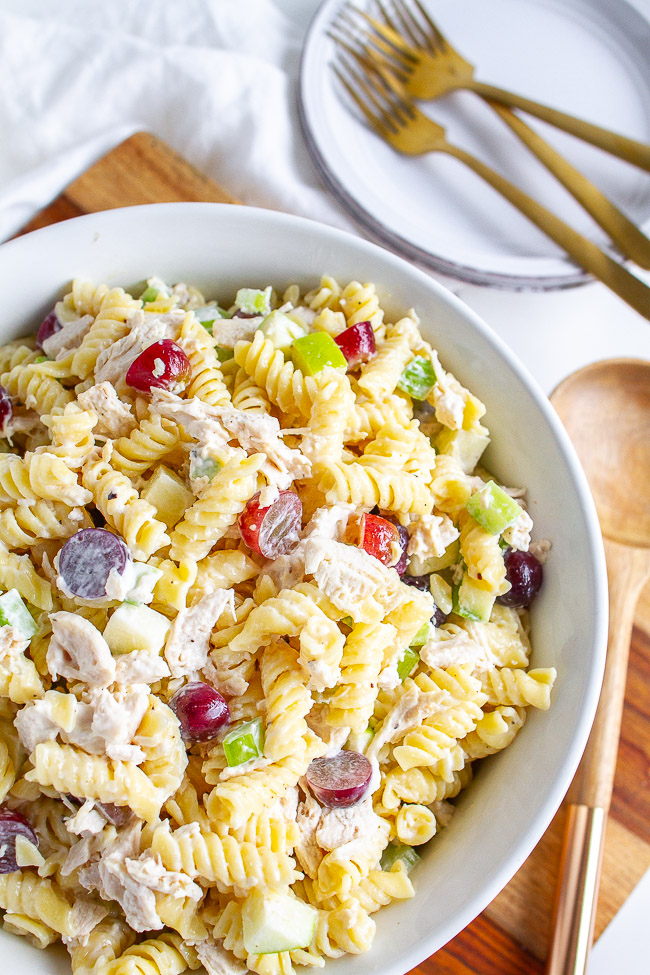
[(586, 57), (219, 248)]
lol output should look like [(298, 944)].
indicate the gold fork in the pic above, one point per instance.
[(422, 32), (400, 123), (432, 70)]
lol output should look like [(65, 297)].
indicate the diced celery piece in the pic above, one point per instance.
[(13, 612), (473, 601), (203, 466), (424, 567), (493, 509), (254, 302), (281, 330), (347, 621), (418, 378), (244, 742), (466, 446), (408, 663), (313, 352), (136, 627), (399, 851), (224, 353), (422, 635), (149, 294), (41, 358), (169, 495), (358, 741), (273, 922), (441, 592)]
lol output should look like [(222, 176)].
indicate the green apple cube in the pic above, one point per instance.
[(493, 509), (273, 922), (203, 466), (149, 294), (418, 378), (313, 352), (434, 563), (244, 742), (145, 578), (472, 601), (136, 627), (465, 446), (254, 302), (441, 592), (281, 330), (13, 612), (208, 314), (399, 851), (169, 495), (408, 663)]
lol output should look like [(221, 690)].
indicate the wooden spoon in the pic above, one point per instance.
[(606, 410)]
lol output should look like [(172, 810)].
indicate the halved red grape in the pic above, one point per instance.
[(379, 537), (404, 541), (86, 560), (12, 825), (117, 815), (6, 411), (274, 530), (246, 314), (525, 574), (357, 343), (163, 365), (201, 710), (340, 780), (49, 326)]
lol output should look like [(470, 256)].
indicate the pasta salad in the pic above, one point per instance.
[(262, 610)]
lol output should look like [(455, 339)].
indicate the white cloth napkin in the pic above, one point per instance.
[(213, 78)]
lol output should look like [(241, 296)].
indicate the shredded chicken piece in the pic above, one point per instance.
[(78, 651), (541, 549), (517, 535), (68, 337), (348, 576), (148, 871), (114, 415), (12, 644), (216, 960), (444, 649), (140, 667), (188, 641), (229, 331), (339, 826), (307, 850), (110, 877), (86, 821), (430, 535)]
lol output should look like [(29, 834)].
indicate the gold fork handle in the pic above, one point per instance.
[(583, 251), (632, 151), (631, 242)]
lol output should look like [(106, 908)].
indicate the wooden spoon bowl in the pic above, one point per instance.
[(606, 410)]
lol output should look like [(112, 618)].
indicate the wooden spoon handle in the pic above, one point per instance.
[(627, 570), (632, 151), (591, 790)]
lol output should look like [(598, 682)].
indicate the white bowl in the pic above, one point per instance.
[(503, 814)]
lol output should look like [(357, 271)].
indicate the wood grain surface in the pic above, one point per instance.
[(510, 937)]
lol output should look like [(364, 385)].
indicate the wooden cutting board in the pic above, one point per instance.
[(510, 937)]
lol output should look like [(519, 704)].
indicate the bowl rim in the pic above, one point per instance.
[(65, 233)]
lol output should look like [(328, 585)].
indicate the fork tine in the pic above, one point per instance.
[(441, 40), (381, 122), (410, 25), (371, 56), (388, 34)]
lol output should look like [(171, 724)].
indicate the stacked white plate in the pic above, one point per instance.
[(590, 58)]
